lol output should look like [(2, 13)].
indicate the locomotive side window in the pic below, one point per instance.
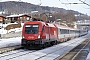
[(43, 29), (31, 29)]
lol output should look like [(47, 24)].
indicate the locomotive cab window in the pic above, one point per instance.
[(31, 29)]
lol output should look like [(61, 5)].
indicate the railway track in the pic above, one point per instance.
[(50, 53), (42, 54), (16, 53), (8, 49), (78, 53)]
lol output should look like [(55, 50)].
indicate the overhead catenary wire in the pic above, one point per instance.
[(40, 2), (84, 2), (70, 4), (85, 7), (65, 4)]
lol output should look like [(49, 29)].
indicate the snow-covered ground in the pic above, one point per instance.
[(10, 42), (88, 57)]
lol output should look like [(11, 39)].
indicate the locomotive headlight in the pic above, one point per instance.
[(38, 36)]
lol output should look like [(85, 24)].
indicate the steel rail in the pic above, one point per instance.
[(80, 51)]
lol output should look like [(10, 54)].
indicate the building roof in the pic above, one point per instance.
[(2, 16), (19, 15)]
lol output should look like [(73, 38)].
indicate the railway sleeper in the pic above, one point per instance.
[(8, 49)]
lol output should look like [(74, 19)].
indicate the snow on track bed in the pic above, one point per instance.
[(14, 54), (7, 49), (50, 53), (10, 42), (78, 53)]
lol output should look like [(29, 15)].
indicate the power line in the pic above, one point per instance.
[(84, 2), (72, 3), (68, 2), (40, 3), (65, 4), (86, 8)]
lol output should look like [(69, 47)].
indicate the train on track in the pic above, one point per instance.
[(38, 33)]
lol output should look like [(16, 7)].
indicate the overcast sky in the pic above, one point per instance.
[(83, 8)]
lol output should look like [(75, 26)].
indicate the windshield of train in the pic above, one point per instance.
[(31, 29)]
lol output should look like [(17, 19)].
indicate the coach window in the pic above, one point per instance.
[(71, 31), (62, 31), (59, 31), (67, 31)]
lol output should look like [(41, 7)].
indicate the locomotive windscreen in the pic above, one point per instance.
[(31, 29)]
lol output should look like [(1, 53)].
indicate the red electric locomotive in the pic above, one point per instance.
[(38, 33)]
